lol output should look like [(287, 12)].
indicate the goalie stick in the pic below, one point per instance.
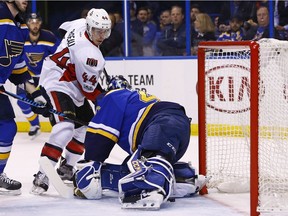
[(64, 190), (35, 104)]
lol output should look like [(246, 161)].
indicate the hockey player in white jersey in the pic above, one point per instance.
[(70, 77)]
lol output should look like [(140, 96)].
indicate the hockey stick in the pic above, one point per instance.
[(64, 190), (35, 104), (108, 78)]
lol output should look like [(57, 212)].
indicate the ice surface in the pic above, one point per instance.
[(23, 163)]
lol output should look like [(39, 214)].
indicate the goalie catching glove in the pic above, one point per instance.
[(87, 182)]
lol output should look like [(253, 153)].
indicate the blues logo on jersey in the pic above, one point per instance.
[(37, 51), (12, 38)]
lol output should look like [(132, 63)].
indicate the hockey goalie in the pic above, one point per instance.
[(154, 133)]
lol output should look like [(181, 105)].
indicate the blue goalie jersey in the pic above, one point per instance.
[(124, 116), (12, 38), (118, 118)]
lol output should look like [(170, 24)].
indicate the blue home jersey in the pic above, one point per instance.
[(12, 37), (231, 36), (35, 52), (131, 118), (119, 115)]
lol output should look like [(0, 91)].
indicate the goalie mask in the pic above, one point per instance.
[(98, 20), (118, 82)]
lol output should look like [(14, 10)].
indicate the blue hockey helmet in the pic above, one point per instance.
[(32, 17), (118, 82)]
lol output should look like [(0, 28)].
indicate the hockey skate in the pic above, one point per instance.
[(65, 171), (9, 186), (40, 184), (146, 200), (34, 131)]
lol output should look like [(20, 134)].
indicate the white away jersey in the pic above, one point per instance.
[(75, 67)]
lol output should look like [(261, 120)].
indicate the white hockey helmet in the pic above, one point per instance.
[(99, 19)]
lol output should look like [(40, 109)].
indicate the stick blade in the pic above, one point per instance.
[(64, 190)]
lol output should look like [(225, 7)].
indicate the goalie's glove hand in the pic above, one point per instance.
[(45, 106), (87, 182)]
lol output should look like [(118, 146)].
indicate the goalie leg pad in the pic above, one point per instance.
[(187, 182), (87, 180), (154, 177), (110, 175), (184, 172)]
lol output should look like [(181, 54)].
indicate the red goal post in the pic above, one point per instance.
[(243, 122)]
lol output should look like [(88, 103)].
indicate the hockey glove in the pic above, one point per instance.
[(87, 182), (44, 109)]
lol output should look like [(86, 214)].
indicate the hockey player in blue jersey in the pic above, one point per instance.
[(13, 33), (154, 133), (38, 45)]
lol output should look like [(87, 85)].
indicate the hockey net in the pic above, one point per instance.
[(243, 120)]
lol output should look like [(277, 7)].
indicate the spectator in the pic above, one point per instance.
[(262, 29), (281, 18), (84, 12), (119, 25), (172, 41), (136, 28), (118, 17), (112, 46), (150, 16), (204, 31), (165, 19), (245, 10), (149, 31), (195, 9), (235, 33)]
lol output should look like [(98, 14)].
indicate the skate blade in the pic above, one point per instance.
[(37, 190), (35, 135), (152, 202), (4, 191), (68, 183)]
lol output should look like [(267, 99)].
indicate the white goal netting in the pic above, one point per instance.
[(227, 121)]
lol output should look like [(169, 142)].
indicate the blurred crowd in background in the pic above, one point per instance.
[(159, 28)]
